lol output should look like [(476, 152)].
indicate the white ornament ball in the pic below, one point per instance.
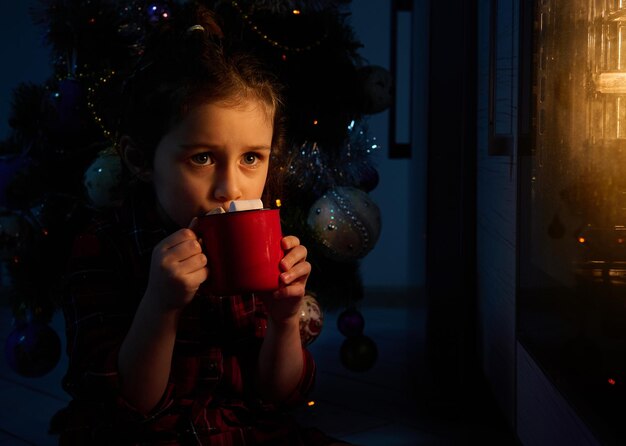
[(346, 223), (103, 180), (311, 319), (376, 83)]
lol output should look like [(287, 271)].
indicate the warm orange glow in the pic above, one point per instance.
[(315, 122), (296, 12), (278, 203), (581, 239), (611, 381), (620, 240), (310, 403), (614, 83)]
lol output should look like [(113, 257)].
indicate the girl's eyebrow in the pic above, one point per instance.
[(195, 146)]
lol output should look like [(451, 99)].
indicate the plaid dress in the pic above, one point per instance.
[(211, 397)]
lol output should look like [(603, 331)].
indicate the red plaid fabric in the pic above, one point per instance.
[(211, 398)]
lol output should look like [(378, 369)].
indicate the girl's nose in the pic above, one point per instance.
[(227, 187)]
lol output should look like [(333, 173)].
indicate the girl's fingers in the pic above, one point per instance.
[(295, 255), (289, 242), (181, 253), (194, 263), (180, 236), (299, 272)]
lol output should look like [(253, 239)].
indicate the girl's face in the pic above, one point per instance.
[(217, 154)]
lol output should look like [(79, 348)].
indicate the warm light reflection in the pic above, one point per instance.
[(581, 239), (310, 403), (611, 381), (611, 83)]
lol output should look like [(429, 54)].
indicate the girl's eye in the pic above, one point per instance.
[(250, 159), (202, 159)]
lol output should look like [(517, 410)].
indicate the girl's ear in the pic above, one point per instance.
[(135, 159)]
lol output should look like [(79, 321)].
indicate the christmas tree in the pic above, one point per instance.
[(59, 166)]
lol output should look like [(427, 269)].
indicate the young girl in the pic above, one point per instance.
[(153, 357)]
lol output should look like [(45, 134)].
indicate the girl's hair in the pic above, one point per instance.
[(186, 63)]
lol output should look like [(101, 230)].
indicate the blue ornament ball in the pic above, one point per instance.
[(351, 322), (32, 349), (358, 353)]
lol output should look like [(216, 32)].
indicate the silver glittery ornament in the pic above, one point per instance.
[(103, 179), (346, 223)]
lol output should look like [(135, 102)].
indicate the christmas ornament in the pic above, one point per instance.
[(358, 353), (351, 322), (376, 83), (103, 180), (32, 349), (345, 222), (311, 319)]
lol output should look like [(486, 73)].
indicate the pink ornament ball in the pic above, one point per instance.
[(311, 319)]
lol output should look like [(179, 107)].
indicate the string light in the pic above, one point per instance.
[(91, 91), (271, 41)]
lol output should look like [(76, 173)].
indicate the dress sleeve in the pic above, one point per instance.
[(99, 305)]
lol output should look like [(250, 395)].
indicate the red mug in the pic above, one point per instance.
[(243, 250)]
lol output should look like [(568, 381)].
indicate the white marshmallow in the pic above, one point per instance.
[(245, 205)]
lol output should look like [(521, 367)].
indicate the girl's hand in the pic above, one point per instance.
[(177, 269), (284, 303)]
